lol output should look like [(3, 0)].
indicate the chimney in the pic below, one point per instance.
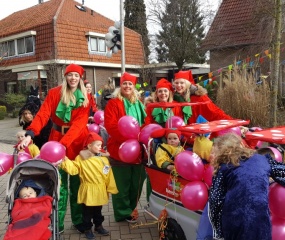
[(92, 12), (41, 1)]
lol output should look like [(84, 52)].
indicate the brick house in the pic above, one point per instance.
[(242, 31), (37, 43)]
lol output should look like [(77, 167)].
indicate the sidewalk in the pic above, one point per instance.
[(118, 230)]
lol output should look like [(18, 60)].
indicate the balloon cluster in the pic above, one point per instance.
[(113, 39), (98, 121), (189, 165), (277, 209)]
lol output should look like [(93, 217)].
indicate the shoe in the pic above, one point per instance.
[(131, 219), (89, 234), (102, 231)]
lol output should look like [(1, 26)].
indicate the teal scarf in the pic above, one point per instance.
[(64, 112), (135, 110)]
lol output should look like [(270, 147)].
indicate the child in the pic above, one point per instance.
[(32, 149), (96, 181), (167, 151), (238, 200)]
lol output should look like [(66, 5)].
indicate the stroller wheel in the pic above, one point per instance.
[(173, 231)]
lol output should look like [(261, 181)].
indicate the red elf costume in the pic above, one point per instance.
[(70, 129), (129, 177), (209, 111)]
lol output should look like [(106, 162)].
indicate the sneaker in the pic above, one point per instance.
[(102, 231), (131, 219), (89, 234)]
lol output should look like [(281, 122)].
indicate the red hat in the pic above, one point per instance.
[(187, 75), (85, 81), (163, 132), (171, 130), (74, 68), (92, 136), (128, 77), (163, 83)]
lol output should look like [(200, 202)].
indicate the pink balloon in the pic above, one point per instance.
[(93, 128), (23, 156), (174, 122), (235, 130), (129, 151), (278, 228), (146, 132), (189, 166), (129, 127), (277, 154), (194, 195), (6, 162), (99, 117), (208, 175), (52, 151), (276, 200), (38, 156)]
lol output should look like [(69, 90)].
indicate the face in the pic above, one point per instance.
[(88, 88), (20, 136), (127, 88), (180, 86), (173, 139), (95, 147), (73, 79), (27, 192), (27, 116), (162, 94)]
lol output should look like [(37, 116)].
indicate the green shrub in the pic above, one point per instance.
[(3, 112)]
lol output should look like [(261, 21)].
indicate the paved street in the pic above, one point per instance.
[(121, 230)]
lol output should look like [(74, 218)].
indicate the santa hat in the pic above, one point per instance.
[(164, 132), (128, 77), (85, 82), (186, 75), (92, 137), (163, 83), (74, 68)]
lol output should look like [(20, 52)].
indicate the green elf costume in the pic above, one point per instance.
[(129, 177)]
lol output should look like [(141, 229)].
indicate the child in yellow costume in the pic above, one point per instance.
[(32, 149), (96, 182)]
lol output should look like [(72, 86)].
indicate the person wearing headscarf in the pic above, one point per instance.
[(129, 177), (68, 107)]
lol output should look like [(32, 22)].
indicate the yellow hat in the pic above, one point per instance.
[(202, 147)]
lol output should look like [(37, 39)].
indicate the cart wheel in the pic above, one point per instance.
[(173, 231)]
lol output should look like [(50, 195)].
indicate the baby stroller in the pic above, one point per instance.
[(180, 223), (45, 176)]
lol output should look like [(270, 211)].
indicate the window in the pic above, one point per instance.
[(18, 45), (96, 43)]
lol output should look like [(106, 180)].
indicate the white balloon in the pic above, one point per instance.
[(109, 36), (112, 29), (117, 24), (109, 43), (115, 49), (109, 54)]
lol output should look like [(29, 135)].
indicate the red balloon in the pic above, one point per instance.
[(194, 195), (129, 127), (52, 151), (6, 162), (99, 117), (189, 166), (276, 200), (23, 156), (93, 128), (235, 130), (208, 175), (277, 154), (129, 151), (278, 228), (174, 122), (146, 132)]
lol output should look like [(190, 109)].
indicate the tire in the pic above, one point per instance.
[(173, 231)]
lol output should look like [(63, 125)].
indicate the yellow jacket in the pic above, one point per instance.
[(161, 156), (96, 179)]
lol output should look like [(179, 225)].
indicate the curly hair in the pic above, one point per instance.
[(229, 149)]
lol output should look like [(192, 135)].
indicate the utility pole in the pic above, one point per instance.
[(122, 36)]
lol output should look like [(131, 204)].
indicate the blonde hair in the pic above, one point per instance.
[(21, 132), (67, 95), (229, 149), (133, 98)]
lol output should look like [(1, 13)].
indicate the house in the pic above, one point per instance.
[(37, 43), (242, 32)]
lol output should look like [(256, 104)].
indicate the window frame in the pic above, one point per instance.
[(98, 38)]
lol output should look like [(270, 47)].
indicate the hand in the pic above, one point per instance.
[(24, 143), (170, 167)]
